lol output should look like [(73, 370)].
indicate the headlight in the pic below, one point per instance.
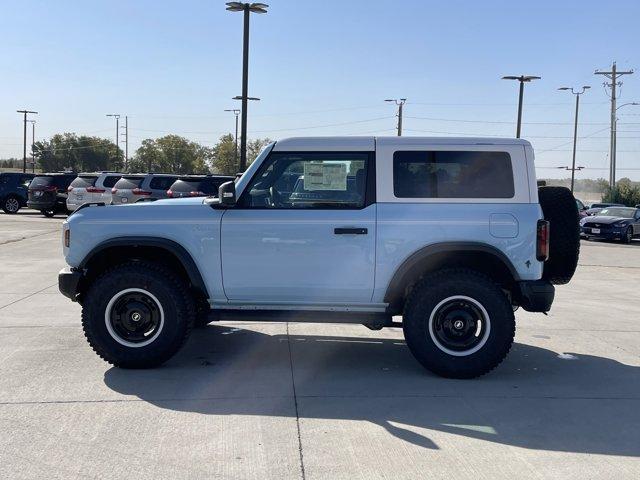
[(582, 220)]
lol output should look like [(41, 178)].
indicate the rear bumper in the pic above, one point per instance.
[(68, 280), (535, 295)]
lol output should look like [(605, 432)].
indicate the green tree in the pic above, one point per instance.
[(254, 147), (224, 156), (624, 192), (171, 154), (68, 151)]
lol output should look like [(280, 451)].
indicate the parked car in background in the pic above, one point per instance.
[(91, 187), (14, 190), (48, 193), (612, 223), (197, 186), (596, 207), (582, 209), (135, 187)]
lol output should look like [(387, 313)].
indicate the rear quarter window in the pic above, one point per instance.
[(452, 174), (110, 180)]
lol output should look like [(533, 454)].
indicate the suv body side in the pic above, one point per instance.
[(296, 259), (15, 185)]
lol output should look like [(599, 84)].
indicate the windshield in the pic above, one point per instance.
[(41, 182), (617, 212)]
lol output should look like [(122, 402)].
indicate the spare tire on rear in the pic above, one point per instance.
[(560, 209)]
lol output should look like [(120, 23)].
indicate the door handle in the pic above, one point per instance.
[(350, 231)]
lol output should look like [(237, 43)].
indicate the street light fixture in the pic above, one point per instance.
[(236, 112), (575, 129), (522, 79), (247, 9), (399, 102), (615, 140)]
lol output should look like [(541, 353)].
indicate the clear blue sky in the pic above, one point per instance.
[(173, 67)]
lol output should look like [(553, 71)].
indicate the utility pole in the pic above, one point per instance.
[(575, 130), (126, 141), (24, 144), (236, 112), (613, 75), (399, 102), (117, 117), (522, 79), (33, 145)]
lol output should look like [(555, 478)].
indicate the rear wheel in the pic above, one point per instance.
[(11, 204), (458, 323), (137, 315)]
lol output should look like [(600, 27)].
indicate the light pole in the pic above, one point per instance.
[(117, 117), (236, 112), (399, 102), (243, 132), (247, 9), (24, 144), (575, 129), (522, 79), (33, 145), (126, 141), (614, 136)]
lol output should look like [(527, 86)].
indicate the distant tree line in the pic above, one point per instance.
[(170, 154)]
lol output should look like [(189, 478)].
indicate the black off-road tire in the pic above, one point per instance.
[(422, 305), (11, 204), (173, 296), (560, 209)]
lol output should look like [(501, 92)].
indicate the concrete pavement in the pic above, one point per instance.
[(254, 400)]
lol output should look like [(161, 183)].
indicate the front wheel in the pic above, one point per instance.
[(11, 205), (628, 235), (137, 315), (48, 213), (458, 323)]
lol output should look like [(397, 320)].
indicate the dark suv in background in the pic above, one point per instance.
[(48, 192), (13, 190), (197, 186)]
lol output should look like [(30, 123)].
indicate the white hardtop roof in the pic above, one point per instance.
[(363, 144)]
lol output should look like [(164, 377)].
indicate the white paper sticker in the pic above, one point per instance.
[(325, 176)]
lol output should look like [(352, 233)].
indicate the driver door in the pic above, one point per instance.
[(303, 231)]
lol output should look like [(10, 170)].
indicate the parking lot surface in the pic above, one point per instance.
[(267, 400)]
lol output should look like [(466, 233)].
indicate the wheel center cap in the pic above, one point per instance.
[(458, 324), (135, 316)]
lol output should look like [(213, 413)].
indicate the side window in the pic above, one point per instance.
[(452, 174), (309, 180), (25, 181), (110, 181), (161, 183)]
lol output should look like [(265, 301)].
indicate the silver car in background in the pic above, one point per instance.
[(91, 188), (132, 188)]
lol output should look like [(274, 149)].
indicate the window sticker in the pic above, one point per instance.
[(325, 176)]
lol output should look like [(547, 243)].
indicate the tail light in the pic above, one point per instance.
[(48, 188), (138, 191), (197, 194), (95, 190), (542, 241), (170, 193), (67, 238), (114, 191)]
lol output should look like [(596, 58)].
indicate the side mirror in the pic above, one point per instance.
[(227, 194)]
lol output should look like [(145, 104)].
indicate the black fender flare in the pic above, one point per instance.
[(412, 264), (181, 253)]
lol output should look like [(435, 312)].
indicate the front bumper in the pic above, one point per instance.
[(608, 233), (68, 280), (535, 295)]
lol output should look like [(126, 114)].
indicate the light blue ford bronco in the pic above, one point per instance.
[(445, 237)]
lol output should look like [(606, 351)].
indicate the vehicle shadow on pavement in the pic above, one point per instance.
[(537, 399)]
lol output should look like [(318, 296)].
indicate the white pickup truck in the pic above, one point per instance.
[(452, 235)]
